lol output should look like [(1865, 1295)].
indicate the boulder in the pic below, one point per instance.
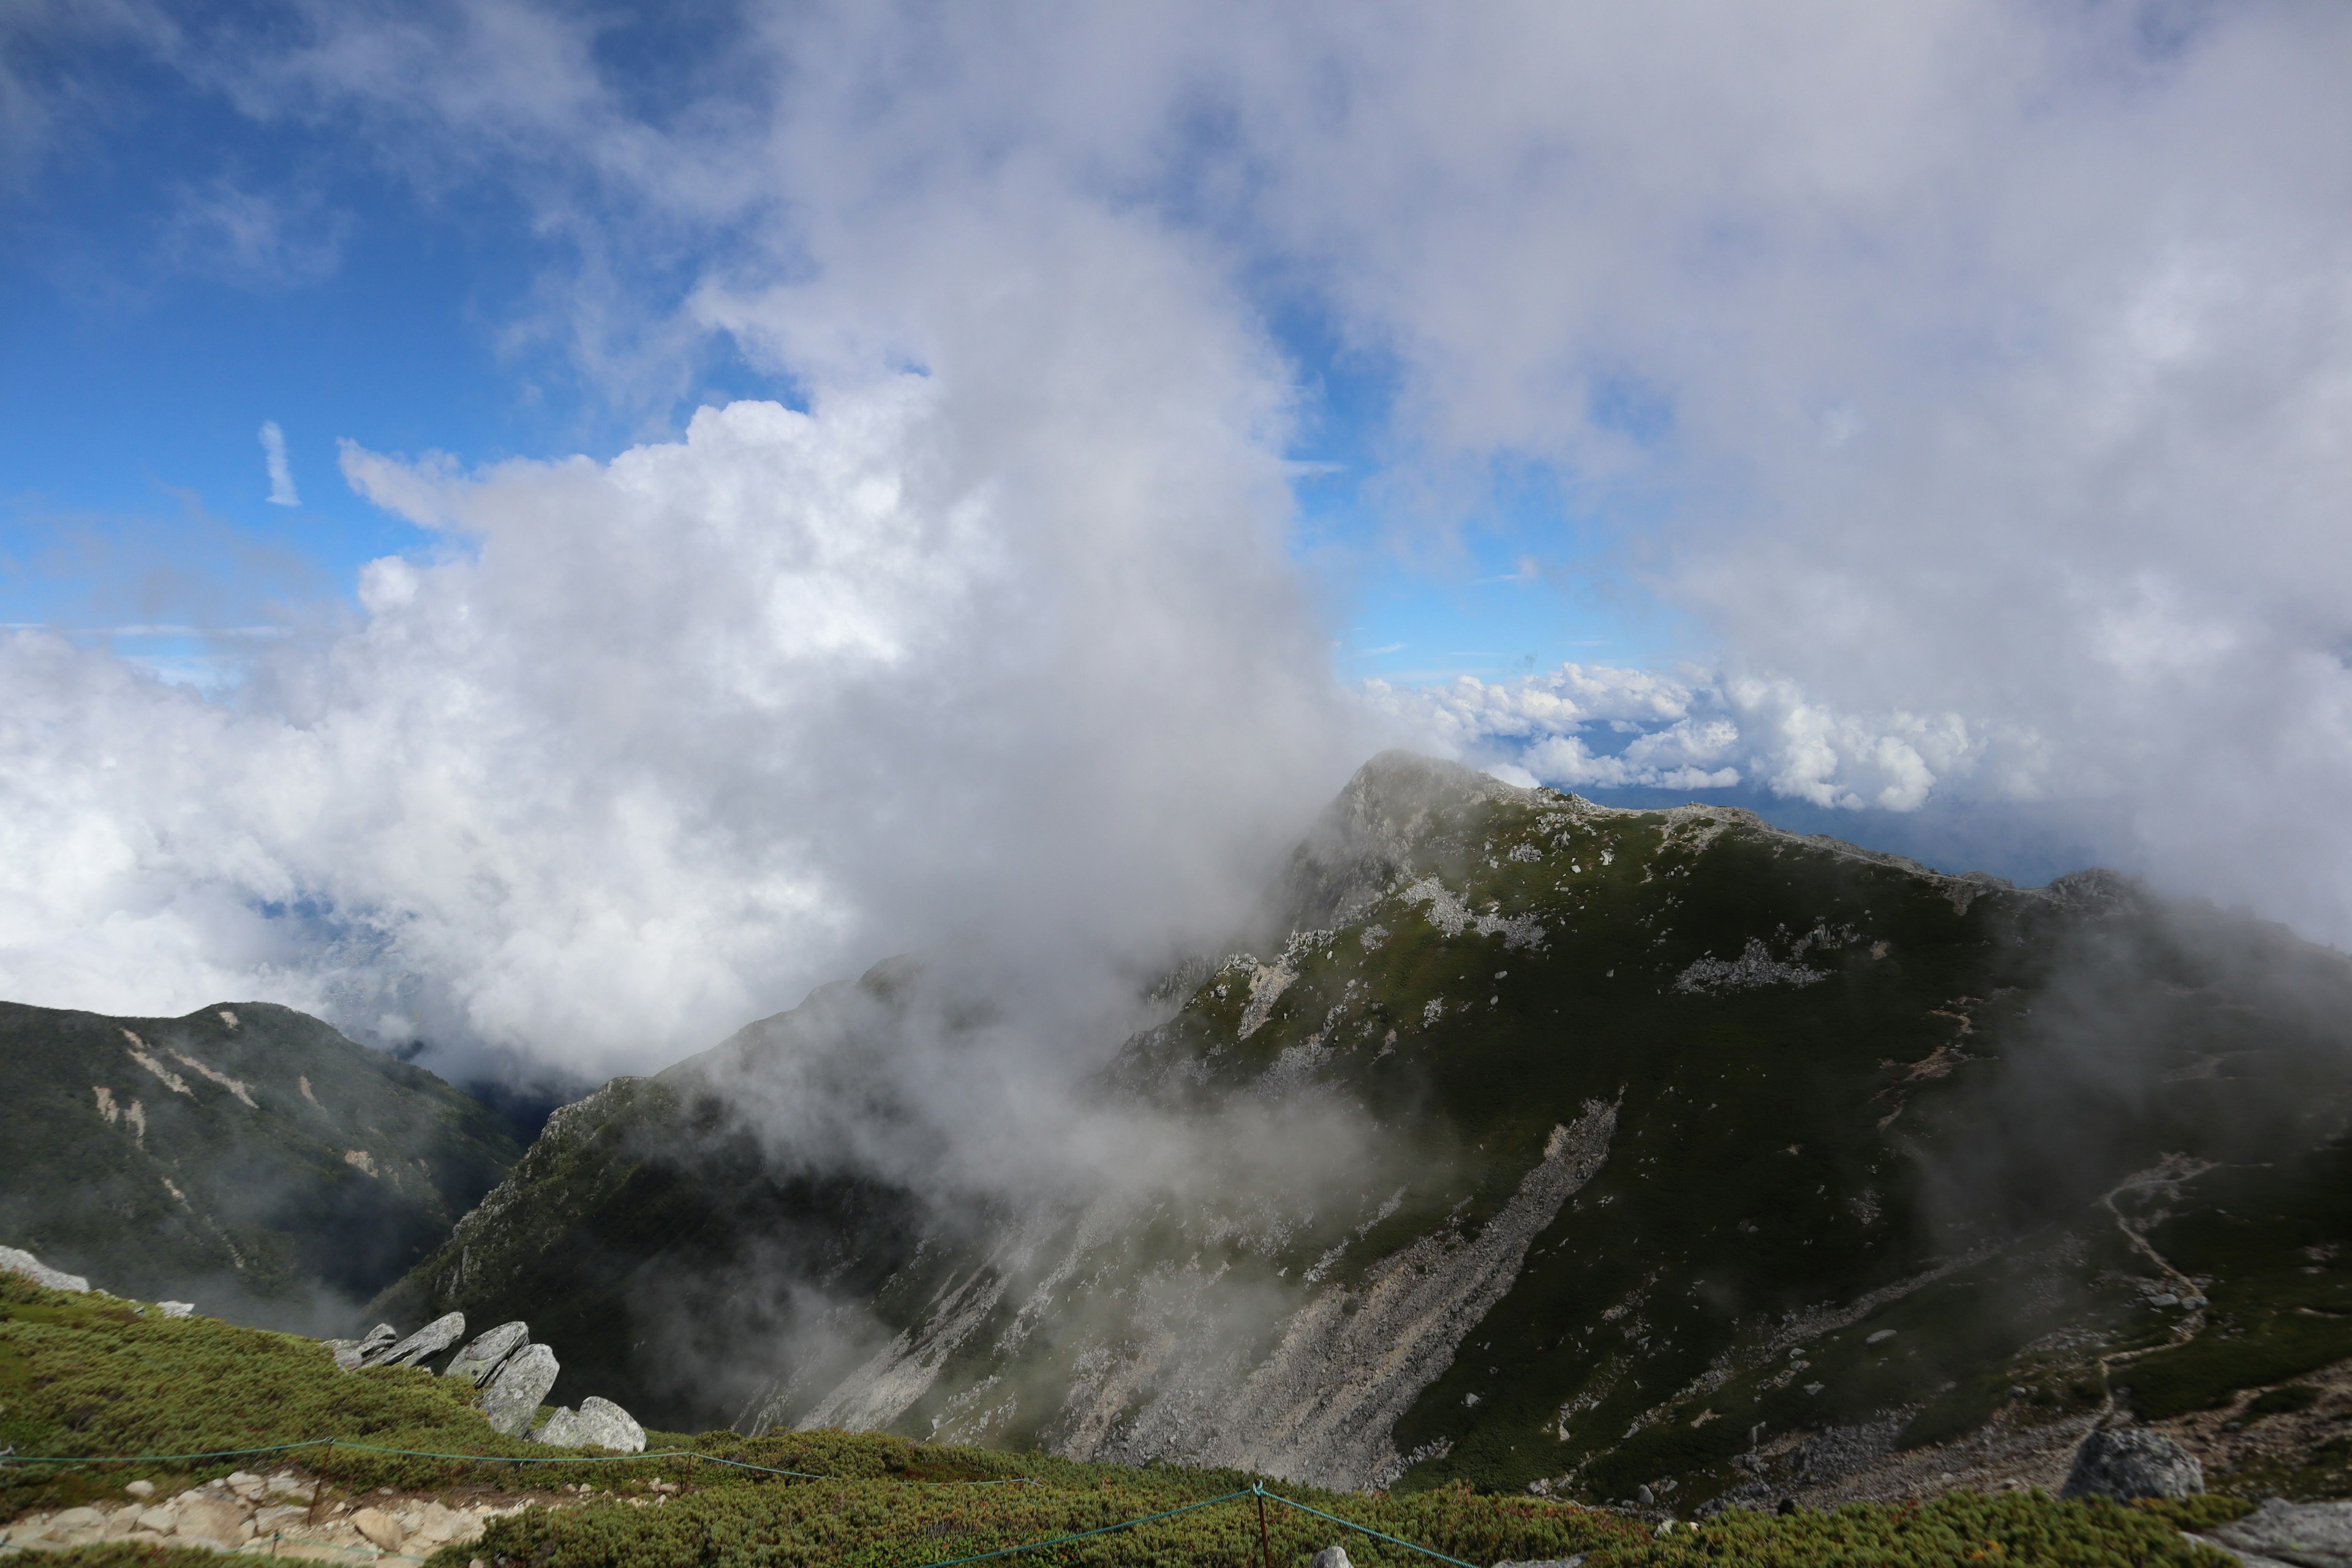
[(382, 1530), (426, 1343), (562, 1430), (2126, 1462), (177, 1308), (514, 1395), (15, 1262), (352, 1354), (481, 1360), (598, 1424), (1331, 1557), (213, 1519), (2308, 1534)]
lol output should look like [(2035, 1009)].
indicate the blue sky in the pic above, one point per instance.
[(148, 339)]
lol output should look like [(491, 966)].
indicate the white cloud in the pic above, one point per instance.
[(281, 476), (663, 742), (1976, 374)]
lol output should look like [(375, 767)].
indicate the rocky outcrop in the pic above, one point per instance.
[(16, 1262), (352, 1354), (481, 1361), (515, 1394), (2123, 1463), (424, 1345), (598, 1424)]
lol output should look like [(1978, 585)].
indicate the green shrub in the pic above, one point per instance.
[(2283, 1401)]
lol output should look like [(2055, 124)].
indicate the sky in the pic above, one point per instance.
[(551, 530)]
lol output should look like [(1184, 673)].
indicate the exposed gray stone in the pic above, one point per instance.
[(2308, 1534), (481, 1361), (604, 1425), (515, 1393), (177, 1308), (427, 1343), (562, 1430), (1575, 1562), (38, 1272), (598, 1424), (352, 1354), (2126, 1462), (1331, 1557)]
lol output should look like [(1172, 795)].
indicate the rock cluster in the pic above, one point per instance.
[(513, 1375), (2125, 1462), (281, 1510)]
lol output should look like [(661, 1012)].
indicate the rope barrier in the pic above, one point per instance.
[(1368, 1529)]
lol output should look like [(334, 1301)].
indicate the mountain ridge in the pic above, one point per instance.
[(1844, 1094)]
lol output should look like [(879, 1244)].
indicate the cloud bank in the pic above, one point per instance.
[(1974, 377)]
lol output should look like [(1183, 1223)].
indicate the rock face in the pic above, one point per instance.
[(424, 1345), (38, 1272), (598, 1424), (516, 1394), (2124, 1462), (481, 1361), (2308, 1534)]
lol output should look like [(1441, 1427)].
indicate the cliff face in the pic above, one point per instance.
[(1554, 1146), (247, 1156)]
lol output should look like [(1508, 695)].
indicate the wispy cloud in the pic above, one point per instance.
[(281, 477)]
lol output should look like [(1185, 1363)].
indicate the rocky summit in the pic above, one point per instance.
[(246, 1156), (1659, 1157)]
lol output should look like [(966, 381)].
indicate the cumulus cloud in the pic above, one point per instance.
[(662, 742), (1586, 727)]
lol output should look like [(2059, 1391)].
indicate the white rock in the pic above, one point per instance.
[(426, 1343), (15, 1262), (177, 1308)]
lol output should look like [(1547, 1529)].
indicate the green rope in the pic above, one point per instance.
[(7, 1460), (1081, 1535), (1367, 1529)]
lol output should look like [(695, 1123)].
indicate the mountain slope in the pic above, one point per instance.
[(1625, 1148), (246, 1155)]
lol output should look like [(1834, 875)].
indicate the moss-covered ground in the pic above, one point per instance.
[(95, 1376)]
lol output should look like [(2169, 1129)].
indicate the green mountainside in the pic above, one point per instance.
[(247, 1157), (1657, 1153)]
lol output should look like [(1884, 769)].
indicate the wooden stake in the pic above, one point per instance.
[(1263, 1550)]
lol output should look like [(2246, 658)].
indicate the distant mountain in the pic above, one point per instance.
[(1555, 1147), (247, 1157)]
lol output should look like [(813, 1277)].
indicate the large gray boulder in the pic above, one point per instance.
[(598, 1424), (16, 1262), (2308, 1534), (2126, 1462), (352, 1354), (516, 1394), (481, 1361), (426, 1343)]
